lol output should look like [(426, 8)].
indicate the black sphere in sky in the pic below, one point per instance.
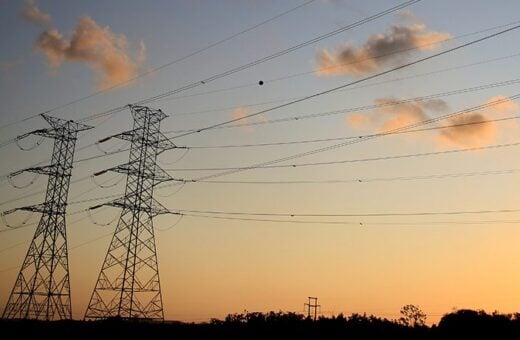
[(261, 82)]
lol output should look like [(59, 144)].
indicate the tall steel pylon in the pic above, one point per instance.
[(128, 285), (42, 288)]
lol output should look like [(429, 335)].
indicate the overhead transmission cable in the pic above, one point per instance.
[(357, 223), (388, 103), (351, 142), (257, 61), (158, 68), (358, 160), (390, 214), (379, 74), (360, 60), (284, 52), (322, 140), (407, 127), (362, 108), (253, 63), (370, 179)]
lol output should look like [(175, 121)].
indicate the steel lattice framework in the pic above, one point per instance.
[(128, 285), (42, 288)]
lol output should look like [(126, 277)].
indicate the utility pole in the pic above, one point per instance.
[(42, 288), (128, 285), (313, 303)]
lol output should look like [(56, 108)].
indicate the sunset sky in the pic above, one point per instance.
[(55, 52)]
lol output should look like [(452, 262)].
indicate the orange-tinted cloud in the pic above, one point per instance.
[(102, 50), (392, 114), (241, 113), (33, 14), (469, 135), (504, 106), (466, 130), (473, 134), (359, 120), (398, 115), (394, 46)]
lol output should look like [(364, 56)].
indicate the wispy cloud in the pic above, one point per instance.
[(102, 50), (33, 14), (389, 48)]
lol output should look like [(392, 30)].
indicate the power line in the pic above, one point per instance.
[(158, 68), (485, 61), (3, 177), (351, 142), (314, 141), (304, 164), (358, 160), (38, 192), (336, 66), (72, 182), (318, 94), (363, 224), (357, 223), (370, 180), (390, 103), (365, 107), (321, 140), (294, 75), (420, 213), (321, 114), (283, 52), (153, 70), (360, 180), (295, 142), (119, 109), (256, 62)]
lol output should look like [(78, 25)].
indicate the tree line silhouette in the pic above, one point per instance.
[(257, 325)]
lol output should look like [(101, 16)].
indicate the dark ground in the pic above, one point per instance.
[(459, 324)]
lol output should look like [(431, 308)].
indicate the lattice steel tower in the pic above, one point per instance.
[(42, 288), (128, 285)]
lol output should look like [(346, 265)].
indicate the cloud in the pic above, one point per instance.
[(405, 14), (359, 120), (392, 114), (102, 50), (474, 134), (241, 113), (469, 135), (505, 105), (399, 115), (33, 14), (393, 47), (471, 129)]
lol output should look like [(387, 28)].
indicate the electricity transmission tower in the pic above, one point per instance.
[(42, 288), (128, 285), (313, 303)]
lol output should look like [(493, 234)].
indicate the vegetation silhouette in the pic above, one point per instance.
[(256, 325), (412, 316)]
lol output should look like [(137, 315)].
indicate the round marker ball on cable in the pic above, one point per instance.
[(261, 82)]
